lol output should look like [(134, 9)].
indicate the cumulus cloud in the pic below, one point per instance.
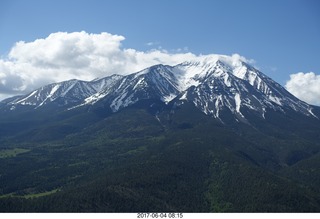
[(63, 56), (305, 86)]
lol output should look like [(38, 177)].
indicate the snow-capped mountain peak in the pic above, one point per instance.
[(214, 84)]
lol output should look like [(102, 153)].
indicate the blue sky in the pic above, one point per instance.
[(282, 36)]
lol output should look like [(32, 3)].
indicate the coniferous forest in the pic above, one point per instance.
[(145, 160)]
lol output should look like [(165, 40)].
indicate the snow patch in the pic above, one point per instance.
[(24, 99), (240, 71), (138, 83), (94, 98), (184, 96), (217, 105), (167, 99), (275, 100), (237, 100), (226, 80), (53, 90), (69, 88), (310, 111), (122, 101)]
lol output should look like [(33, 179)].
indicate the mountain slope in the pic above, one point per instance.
[(132, 162), (157, 82)]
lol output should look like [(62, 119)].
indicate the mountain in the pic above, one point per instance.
[(67, 93), (214, 84), (211, 134), (239, 88)]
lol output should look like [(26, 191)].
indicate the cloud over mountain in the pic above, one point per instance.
[(305, 86), (81, 55), (62, 56)]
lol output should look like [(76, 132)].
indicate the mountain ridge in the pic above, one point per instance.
[(213, 83)]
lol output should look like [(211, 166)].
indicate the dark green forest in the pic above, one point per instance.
[(149, 160)]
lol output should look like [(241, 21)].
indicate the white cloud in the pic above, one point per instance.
[(63, 56), (152, 43), (236, 59), (305, 86)]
